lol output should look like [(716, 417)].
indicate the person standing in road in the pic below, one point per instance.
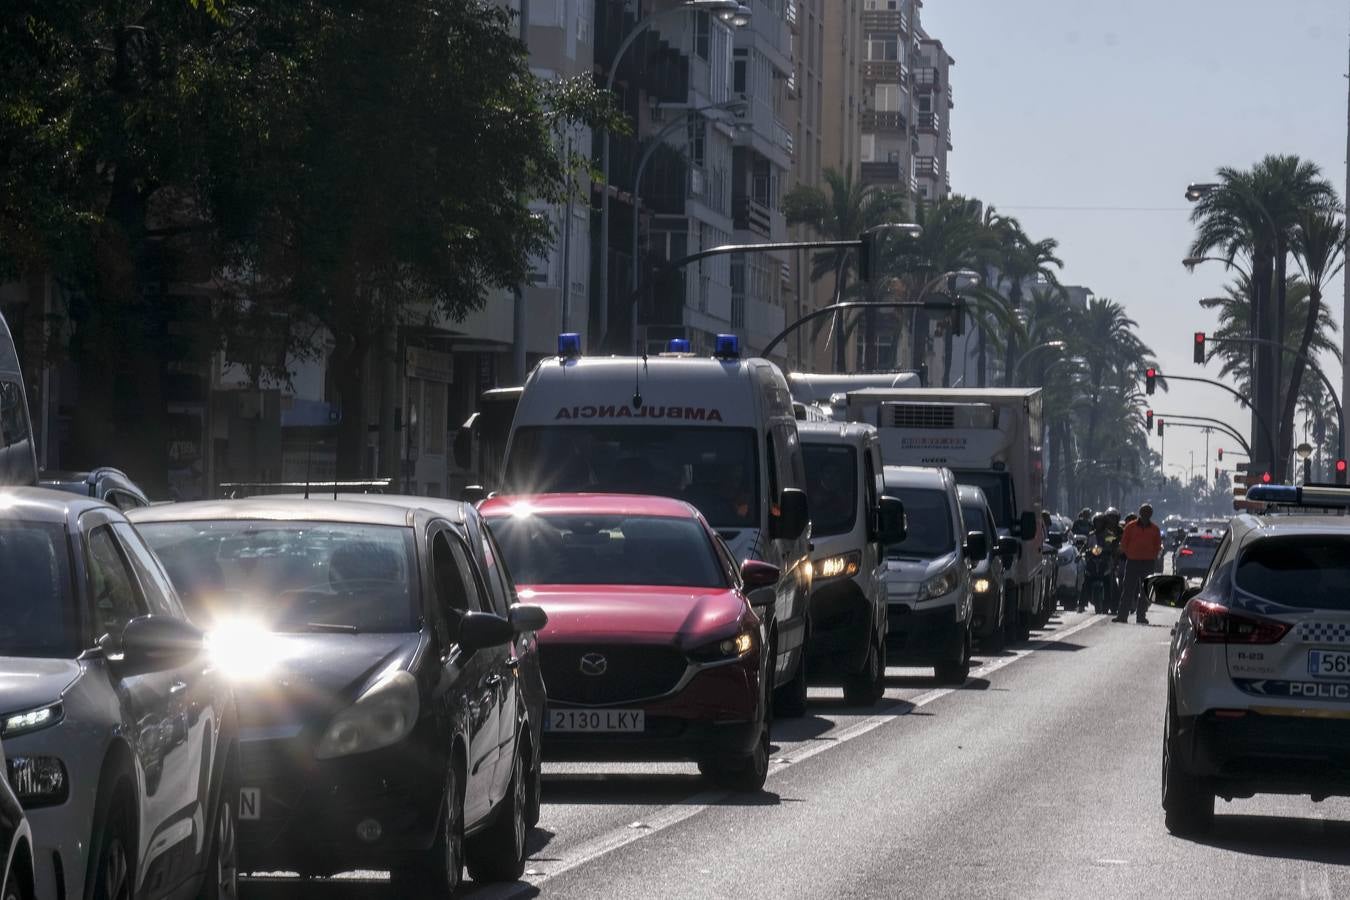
[(1140, 543)]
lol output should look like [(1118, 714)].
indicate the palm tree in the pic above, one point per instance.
[(846, 211), (1255, 213), (1022, 259), (1318, 244)]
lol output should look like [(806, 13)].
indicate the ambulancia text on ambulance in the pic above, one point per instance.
[(717, 432)]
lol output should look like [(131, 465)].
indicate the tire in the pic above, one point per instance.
[(438, 870), (17, 886), (534, 790), (789, 701), (997, 638), (498, 852), (221, 881), (114, 872), (1187, 800), (955, 672), (743, 774), (867, 687)]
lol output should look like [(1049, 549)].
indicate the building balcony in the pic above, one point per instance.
[(893, 122), (790, 13), (929, 123), (882, 173), (883, 72), (883, 20), (951, 101), (752, 215), (926, 167), (927, 79)]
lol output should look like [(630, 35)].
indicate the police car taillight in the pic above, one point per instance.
[(1215, 623)]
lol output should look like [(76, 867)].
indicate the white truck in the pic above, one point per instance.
[(991, 439)]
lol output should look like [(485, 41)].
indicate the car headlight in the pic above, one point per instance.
[(383, 715), (842, 565), (38, 780), (17, 723), (982, 585), (732, 647), (939, 585)]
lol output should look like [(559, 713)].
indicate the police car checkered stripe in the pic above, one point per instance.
[(1324, 632)]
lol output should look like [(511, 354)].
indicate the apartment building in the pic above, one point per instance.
[(933, 105)]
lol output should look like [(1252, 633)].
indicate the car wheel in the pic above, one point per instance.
[(867, 687), (534, 790), (438, 870), (498, 852), (1187, 800), (744, 774), (113, 876), (955, 672), (17, 887), (789, 701), (997, 638), (222, 868)]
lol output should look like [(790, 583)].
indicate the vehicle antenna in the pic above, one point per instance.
[(639, 363)]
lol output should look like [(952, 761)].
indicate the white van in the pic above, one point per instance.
[(18, 453), (851, 525), (718, 432)]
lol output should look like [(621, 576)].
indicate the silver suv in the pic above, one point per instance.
[(1258, 694)]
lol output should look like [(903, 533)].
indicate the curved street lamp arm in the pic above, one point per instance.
[(855, 304), (1171, 420), (1264, 422)]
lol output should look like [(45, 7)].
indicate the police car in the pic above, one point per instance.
[(1258, 697)]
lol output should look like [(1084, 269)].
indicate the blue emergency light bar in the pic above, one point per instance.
[(727, 346), (569, 345), (677, 345), (1309, 495)]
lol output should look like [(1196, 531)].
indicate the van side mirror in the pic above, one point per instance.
[(891, 526), (1027, 526), (480, 630), (793, 515), (977, 547), (1009, 549), (158, 643), (524, 617), (1166, 589)]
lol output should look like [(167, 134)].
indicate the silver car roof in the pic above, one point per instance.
[(915, 476), (36, 504), (276, 509)]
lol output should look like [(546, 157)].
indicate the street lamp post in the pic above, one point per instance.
[(731, 12), (1048, 345)]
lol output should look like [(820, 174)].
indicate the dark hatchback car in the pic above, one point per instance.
[(382, 720), (1196, 552)]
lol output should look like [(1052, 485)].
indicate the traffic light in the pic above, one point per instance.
[(1150, 380), (1160, 428), (1148, 425), (1216, 473), (1200, 348), (1220, 454), (1340, 471), (1265, 478)]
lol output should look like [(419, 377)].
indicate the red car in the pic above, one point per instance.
[(652, 650)]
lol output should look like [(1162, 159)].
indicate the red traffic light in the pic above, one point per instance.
[(1220, 454), (1265, 478), (1150, 379), (1340, 471), (1160, 428), (1148, 420), (1200, 348)]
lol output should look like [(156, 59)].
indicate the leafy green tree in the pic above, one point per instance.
[(1318, 247)]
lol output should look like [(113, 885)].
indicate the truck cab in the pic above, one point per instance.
[(718, 432)]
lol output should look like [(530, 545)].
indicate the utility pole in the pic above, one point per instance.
[(1207, 456), (1345, 311), (518, 327)]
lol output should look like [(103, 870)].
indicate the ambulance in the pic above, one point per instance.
[(718, 432)]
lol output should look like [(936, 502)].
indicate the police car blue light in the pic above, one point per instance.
[(677, 345), (569, 345)]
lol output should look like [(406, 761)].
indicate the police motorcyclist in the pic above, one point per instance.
[(1100, 555), (1114, 529), (1084, 524)]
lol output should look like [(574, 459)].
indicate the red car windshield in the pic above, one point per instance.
[(608, 549)]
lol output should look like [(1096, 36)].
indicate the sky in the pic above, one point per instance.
[(1086, 119)]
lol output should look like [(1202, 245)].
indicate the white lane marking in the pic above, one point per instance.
[(674, 814)]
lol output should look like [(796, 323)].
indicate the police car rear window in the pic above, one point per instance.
[(1303, 570)]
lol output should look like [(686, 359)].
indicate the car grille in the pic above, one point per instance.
[(631, 672)]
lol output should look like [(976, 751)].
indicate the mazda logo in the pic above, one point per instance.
[(594, 664)]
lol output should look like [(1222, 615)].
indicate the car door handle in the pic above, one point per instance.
[(178, 687)]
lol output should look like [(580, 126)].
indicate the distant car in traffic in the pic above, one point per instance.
[(992, 621), (120, 731), (106, 483), (1196, 552), (383, 724), (1258, 685), (928, 575), (653, 649)]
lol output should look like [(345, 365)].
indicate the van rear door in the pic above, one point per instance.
[(18, 456)]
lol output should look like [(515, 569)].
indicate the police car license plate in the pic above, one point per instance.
[(597, 720), (1329, 663)]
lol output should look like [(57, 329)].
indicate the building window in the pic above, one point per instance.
[(702, 35), (882, 47), (738, 76), (869, 147), (698, 131), (925, 103), (886, 98)]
